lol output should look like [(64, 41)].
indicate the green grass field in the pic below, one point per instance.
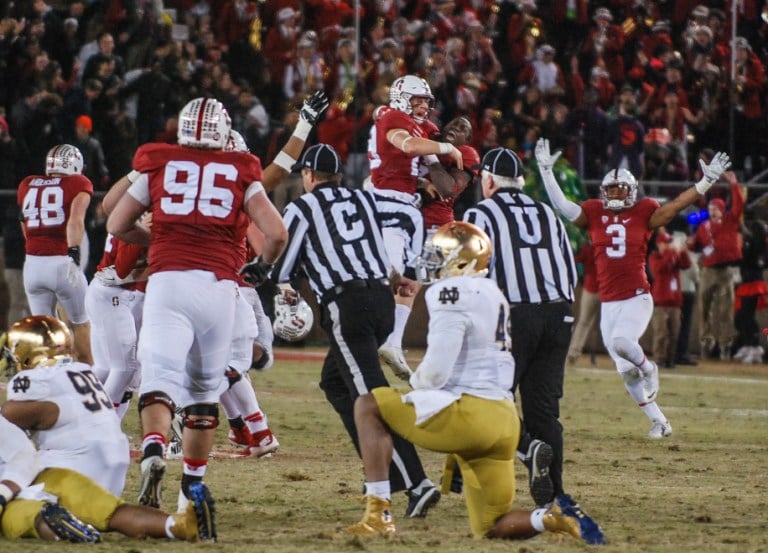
[(703, 490)]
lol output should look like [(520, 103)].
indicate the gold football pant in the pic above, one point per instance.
[(481, 434), (77, 493)]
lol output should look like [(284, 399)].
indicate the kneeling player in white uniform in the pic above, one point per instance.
[(61, 504), (462, 384), (63, 405)]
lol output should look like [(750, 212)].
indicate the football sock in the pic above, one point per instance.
[(653, 412), (537, 519), (229, 404), (153, 445), (194, 470), (379, 489), (256, 422), (236, 423), (244, 396), (169, 523), (634, 385)]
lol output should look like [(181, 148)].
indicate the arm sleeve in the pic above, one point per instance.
[(562, 204), (18, 458), (446, 336)]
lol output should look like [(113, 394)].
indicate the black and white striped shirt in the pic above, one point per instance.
[(532, 258), (395, 212), (335, 236)]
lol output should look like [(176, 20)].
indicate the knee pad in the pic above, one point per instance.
[(233, 376), (151, 398), (201, 416)]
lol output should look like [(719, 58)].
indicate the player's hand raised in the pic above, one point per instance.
[(544, 158), (719, 164), (313, 107)]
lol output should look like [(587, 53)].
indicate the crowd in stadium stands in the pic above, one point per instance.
[(644, 83)]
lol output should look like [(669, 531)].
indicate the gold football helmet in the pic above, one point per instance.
[(456, 249), (33, 341)]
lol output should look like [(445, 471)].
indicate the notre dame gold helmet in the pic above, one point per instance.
[(456, 249), (35, 340)]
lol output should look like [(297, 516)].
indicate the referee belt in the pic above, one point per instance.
[(357, 283)]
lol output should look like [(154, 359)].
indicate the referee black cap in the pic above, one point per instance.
[(502, 162), (322, 158)]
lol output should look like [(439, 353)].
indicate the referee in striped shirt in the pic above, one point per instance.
[(335, 239), (534, 267)]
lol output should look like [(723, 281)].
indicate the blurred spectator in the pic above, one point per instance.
[(94, 165), (662, 160), (119, 140), (443, 20), (749, 87), (386, 65), (689, 282), (589, 303), (156, 100), (106, 52), (235, 19), (280, 51), (752, 289), (719, 241), (600, 81), (665, 264), (626, 135), (604, 45), (479, 55), (542, 72), (587, 130), (525, 33), (78, 100), (305, 74)]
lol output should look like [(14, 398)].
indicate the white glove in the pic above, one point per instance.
[(108, 277), (544, 158), (74, 273), (712, 171)]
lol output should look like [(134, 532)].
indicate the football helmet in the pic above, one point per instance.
[(204, 123), (407, 87), (64, 159), (293, 319), (37, 340), (236, 142), (456, 249), (624, 179)]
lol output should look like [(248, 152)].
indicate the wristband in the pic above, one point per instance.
[(132, 176), (6, 494), (702, 186), (74, 253), (284, 161), (445, 148), (302, 130)]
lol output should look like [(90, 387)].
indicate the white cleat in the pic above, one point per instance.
[(152, 472), (395, 358), (660, 429)]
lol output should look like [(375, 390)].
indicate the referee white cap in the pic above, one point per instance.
[(321, 157), (502, 162)]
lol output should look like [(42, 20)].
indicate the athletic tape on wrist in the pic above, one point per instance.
[(284, 161), (302, 130)]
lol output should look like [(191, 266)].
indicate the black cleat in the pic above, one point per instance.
[(67, 526)]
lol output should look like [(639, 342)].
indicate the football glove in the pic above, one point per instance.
[(711, 172), (256, 272), (108, 277), (544, 158), (313, 107)]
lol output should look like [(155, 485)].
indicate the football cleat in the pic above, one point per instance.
[(263, 444), (377, 519), (421, 502), (174, 450), (566, 516), (67, 526), (241, 437), (395, 358), (651, 382), (540, 456), (204, 507), (660, 429), (152, 472)]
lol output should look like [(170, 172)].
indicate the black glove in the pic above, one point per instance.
[(256, 272), (313, 107), (74, 253)]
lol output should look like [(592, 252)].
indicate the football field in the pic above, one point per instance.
[(705, 489)]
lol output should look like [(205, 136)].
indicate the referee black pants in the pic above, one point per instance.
[(541, 334), (358, 321)]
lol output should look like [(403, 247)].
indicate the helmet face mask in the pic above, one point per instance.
[(38, 341), (622, 179), (407, 88), (456, 249), (204, 123), (64, 159), (236, 142), (293, 319)]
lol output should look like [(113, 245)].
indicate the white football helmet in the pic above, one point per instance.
[(456, 249), (407, 87), (236, 142), (64, 159), (204, 123), (624, 179), (293, 320)]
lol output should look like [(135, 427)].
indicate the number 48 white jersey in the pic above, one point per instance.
[(86, 436)]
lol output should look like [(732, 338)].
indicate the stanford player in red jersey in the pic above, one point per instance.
[(397, 141), (195, 192), (620, 226), (53, 222), (437, 210)]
